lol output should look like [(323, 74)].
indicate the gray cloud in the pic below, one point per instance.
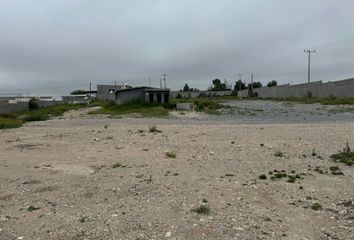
[(56, 46)]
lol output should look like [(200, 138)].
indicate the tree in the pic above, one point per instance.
[(255, 85), (218, 86), (272, 83), (186, 88), (239, 85), (78, 92)]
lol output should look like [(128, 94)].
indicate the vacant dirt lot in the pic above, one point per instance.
[(92, 177)]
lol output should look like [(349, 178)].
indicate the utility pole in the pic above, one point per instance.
[(252, 84), (239, 81), (90, 94), (164, 75), (149, 81), (160, 83), (309, 63)]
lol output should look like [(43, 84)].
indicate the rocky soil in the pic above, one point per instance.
[(94, 177)]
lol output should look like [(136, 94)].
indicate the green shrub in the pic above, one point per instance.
[(33, 104), (116, 165), (35, 116), (316, 206), (203, 209), (334, 168), (345, 156), (171, 154), (262, 177)]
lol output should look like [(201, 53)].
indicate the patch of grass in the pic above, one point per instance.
[(279, 154), (16, 119), (345, 156), (8, 122), (291, 179), (116, 165), (203, 209), (316, 206), (32, 208), (263, 177), (35, 116), (171, 154), (138, 107), (335, 170), (280, 175), (207, 105)]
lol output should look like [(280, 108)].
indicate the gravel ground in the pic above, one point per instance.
[(93, 177)]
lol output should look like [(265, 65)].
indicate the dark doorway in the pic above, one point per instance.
[(159, 97), (151, 97), (166, 97)]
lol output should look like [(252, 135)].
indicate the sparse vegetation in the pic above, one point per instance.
[(116, 165), (32, 208), (279, 154), (335, 170), (16, 119), (345, 156), (202, 209), (171, 154), (314, 154), (137, 107), (316, 206), (82, 219), (263, 177)]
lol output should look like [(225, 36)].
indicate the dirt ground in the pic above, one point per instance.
[(94, 177)]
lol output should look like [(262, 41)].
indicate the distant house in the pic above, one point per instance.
[(122, 95)]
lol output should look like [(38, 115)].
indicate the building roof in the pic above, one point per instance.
[(148, 89)]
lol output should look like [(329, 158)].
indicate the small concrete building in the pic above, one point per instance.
[(144, 94), (107, 92)]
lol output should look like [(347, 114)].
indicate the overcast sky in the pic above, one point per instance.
[(56, 46)]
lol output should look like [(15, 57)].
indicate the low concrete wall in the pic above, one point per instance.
[(6, 107), (173, 94), (340, 89)]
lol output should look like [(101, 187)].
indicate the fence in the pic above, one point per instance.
[(174, 94), (340, 89)]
